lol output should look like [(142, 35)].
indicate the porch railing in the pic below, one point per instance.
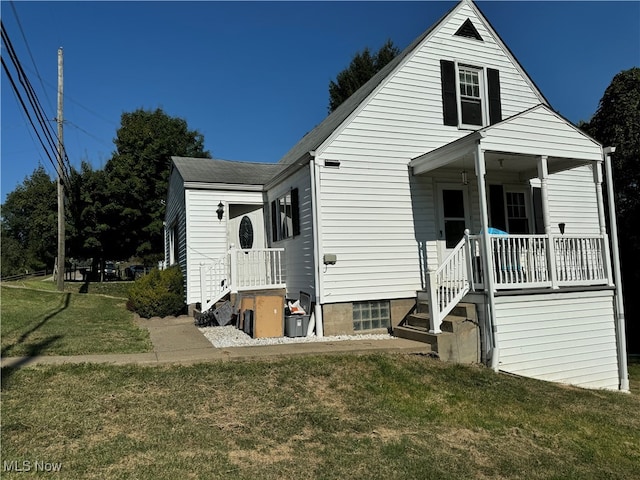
[(447, 285), (240, 270), (581, 260), (526, 261)]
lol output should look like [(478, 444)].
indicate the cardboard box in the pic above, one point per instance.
[(268, 314)]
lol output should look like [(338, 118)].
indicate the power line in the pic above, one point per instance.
[(26, 111), (36, 107), (87, 133), (15, 14)]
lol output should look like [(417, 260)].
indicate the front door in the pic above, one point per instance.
[(246, 227), (453, 217), (246, 231)]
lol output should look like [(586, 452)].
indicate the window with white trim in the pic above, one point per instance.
[(173, 245), (517, 219), (470, 87), (470, 95), (285, 216)]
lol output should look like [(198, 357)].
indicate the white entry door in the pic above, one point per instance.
[(453, 216), (246, 227), (246, 231)]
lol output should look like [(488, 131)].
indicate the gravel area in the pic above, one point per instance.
[(230, 336)]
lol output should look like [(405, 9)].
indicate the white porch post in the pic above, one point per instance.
[(543, 175), (233, 269), (487, 254), (620, 328), (597, 178)]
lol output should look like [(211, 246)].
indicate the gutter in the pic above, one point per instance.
[(289, 170), (623, 372)]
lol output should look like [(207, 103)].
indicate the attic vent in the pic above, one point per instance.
[(468, 30)]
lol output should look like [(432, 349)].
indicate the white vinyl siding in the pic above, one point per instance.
[(573, 201), (371, 218), (175, 220), (298, 254), (206, 235), (560, 337), (540, 132)]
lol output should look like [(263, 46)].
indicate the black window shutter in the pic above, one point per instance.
[(449, 97), (295, 211), (496, 203), (495, 106), (274, 222)]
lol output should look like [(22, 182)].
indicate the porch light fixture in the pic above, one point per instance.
[(561, 227), (465, 178), (220, 211)]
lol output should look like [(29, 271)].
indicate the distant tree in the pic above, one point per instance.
[(89, 234), (136, 179), (363, 66), (29, 225), (616, 123)]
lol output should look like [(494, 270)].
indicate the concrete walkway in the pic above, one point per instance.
[(176, 340)]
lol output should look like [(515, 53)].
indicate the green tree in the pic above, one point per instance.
[(29, 225), (89, 234), (616, 123), (137, 179), (363, 66)]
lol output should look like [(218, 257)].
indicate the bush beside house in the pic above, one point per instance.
[(158, 294)]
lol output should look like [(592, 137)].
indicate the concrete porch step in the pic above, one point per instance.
[(459, 340), (460, 347)]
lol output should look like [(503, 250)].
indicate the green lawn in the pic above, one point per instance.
[(322, 417), (39, 322), (114, 289)]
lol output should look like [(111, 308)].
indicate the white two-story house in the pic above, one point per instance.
[(447, 177)]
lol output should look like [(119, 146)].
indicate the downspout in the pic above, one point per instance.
[(620, 328), (317, 311), (488, 277)]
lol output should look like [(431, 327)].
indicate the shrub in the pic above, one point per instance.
[(158, 294)]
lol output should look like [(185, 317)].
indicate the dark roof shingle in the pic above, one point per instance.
[(207, 170)]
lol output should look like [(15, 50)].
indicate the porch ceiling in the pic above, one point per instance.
[(515, 145)]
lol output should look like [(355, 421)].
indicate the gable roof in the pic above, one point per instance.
[(322, 131), (208, 170), (538, 131), (316, 137)]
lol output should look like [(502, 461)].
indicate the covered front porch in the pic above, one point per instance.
[(523, 236)]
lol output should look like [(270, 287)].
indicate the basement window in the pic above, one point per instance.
[(371, 315)]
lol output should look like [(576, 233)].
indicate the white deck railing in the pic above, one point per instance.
[(580, 260), (527, 261), (239, 270)]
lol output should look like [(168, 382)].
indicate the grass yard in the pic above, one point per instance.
[(322, 417), (40, 322), (113, 289)]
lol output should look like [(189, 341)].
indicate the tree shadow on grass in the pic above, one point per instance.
[(37, 348), (7, 372)]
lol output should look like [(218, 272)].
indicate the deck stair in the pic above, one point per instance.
[(459, 340)]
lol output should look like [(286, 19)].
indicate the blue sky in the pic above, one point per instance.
[(253, 77)]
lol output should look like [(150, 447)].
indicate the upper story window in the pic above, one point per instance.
[(285, 216), (471, 104), (470, 95)]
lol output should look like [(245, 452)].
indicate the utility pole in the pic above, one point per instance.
[(61, 217)]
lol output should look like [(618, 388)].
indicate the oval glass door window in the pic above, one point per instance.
[(246, 233)]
